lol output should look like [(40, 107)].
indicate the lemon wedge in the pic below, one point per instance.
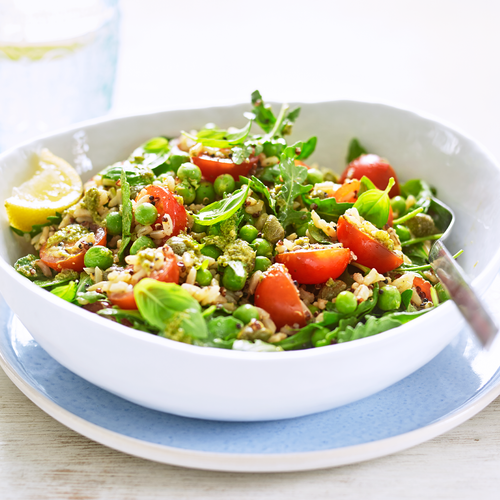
[(54, 187)]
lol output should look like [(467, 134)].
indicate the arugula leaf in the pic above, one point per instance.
[(241, 153), (170, 308), (66, 292), (373, 326), (52, 220), (259, 187), (264, 116), (374, 205), (327, 208), (126, 215), (136, 174), (355, 150), (223, 209), (293, 178), (308, 148), (216, 138)]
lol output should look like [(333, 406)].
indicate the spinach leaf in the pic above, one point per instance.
[(63, 277), (52, 220), (327, 208), (170, 308), (308, 148), (374, 205), (293, 178), (27, 267), (66, 292), (223, 209), (136, 174), (355, 150)]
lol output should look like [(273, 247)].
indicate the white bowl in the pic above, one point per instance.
[(229, 385)]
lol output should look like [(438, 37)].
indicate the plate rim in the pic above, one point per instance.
[(250, 462)]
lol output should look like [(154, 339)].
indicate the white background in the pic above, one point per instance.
[(440, 57)]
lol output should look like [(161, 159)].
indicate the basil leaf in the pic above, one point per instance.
[(66, 292), (308, 148), (293, 178), (169, 308), (152, 153), (327, 208), (136, 174), (52, 220), (355, 150), (374, 205), (132, 316), (156, 145), (226, 328), (365, 185), (406, 298), (63, 277), (216, 138), (223, 209)]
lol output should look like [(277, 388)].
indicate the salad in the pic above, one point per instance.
[(225, 238)]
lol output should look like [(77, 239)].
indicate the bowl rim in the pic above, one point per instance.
[(480, 283)]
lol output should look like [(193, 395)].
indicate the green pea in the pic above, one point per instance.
[(398, 204), (248, 233), (114, 223), (186, 191), (198, 228), (389, 298), (403, 232), (176, 160), (314, 176), (301, 230), (141, 243), (262, 247), (224, 184), (346, 302), (235, 276), (261, 263), (246, 313), (189, 172), (98, 256), (205, 194), (211, 251), (146, 214), (273, 148), (203, 277)]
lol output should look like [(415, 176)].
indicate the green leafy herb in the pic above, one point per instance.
[(66, 292), (216, 138), (327, 208), (224, 327), (171, 309), (136, 174), (420, 190), (293, 178), (374, 205), (153, 153), (308, 148), (406, 298), (28, 268), (355, 150), (126, 215), (63, 277), (373, 326), (407, 217), (264, 116), (223, 209), (259, 187), (131, 316), (52, 220), (241, 153), (365, 185)]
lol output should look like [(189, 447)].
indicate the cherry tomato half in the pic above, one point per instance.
[(166, 204), (71, 255), (423, 288), (277, 295), (169, 273), (211, 168), (348, 192), (369, 252), (379, 171), (311, 267)]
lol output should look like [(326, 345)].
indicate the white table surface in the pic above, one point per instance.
[(437, 56)]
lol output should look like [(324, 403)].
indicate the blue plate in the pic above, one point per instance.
[(455, 385)]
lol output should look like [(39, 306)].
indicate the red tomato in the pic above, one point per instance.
[(375, 168), (311, 267), (211, 168), (348, 192), (165, 203), (277, 295), (369, 252), (59, 258), (300, 163), (169, 273), (423, 288)]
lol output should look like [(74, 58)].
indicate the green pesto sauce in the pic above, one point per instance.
[(69, 235), (91, 202), (228, 234), (174, 331), (241, 251), (27, 267)]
